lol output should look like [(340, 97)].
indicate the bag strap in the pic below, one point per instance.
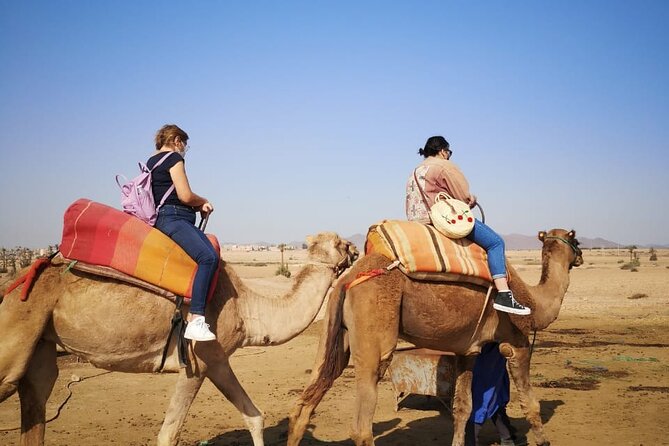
[(169, 191), (161, 161), (119, 183), (167, 194), (422, 192)]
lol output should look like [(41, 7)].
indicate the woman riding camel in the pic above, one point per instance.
[(176, 219), (438, 174)]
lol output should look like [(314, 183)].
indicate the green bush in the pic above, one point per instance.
[(282, 271)]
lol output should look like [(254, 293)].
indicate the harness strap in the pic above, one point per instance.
[(366, 275), (179, 325), (554, 237), (29, 278), (485, 304)]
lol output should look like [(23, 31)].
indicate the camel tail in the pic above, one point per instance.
[(334, 356)]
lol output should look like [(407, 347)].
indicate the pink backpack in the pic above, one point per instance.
[(137, 195)]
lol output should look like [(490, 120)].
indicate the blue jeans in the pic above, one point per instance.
[(493, 244), (178, 223)]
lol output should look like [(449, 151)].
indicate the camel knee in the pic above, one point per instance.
[(7, 389)]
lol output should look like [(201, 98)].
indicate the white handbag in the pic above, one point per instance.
[(450, 216)]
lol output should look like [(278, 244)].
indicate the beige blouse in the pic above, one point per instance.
[(434, 175)]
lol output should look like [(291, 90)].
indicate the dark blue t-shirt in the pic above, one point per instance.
[(161, 179)]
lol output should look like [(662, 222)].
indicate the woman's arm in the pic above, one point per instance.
[(184, 192), (451, 180)]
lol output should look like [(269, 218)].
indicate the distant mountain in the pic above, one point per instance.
[(358, 240), (518, 242)]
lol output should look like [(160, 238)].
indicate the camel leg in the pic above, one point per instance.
[(221, 374), (34, 390), (462, 398), (21, 327), (188, 384), (314, 392), (519, 368), (373, 336)]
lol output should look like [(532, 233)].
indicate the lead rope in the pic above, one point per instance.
[(534, 337)]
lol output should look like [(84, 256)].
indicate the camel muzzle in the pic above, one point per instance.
[(350, 257)]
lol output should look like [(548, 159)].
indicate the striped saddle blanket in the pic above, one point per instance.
[(101, 235), (425, 254)]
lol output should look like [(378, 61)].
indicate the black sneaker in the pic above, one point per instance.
[(505, 302)]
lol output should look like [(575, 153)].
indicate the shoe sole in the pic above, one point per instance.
[(201, 339), (504, 309)]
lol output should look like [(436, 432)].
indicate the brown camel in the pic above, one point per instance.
[(121, 327), (366, 321)]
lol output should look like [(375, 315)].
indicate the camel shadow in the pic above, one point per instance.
[(425, 431)]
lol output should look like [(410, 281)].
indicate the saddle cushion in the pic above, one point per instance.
[(425, 254), (101, 235)]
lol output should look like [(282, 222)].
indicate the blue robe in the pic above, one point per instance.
[(490, 383)]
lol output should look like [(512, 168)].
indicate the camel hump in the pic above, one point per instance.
[(426, 254), (101, 235)]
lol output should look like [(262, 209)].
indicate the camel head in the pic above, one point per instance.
[(560, 239), (330, 249)]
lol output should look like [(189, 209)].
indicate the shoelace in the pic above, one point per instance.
[(515, 303)]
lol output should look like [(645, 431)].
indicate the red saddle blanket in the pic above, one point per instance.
[(101, 235), (426, 254)]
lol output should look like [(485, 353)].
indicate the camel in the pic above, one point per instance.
[(365, 322), (121, 327)]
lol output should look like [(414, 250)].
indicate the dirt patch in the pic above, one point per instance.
[(648, 389), (571, 382), (599, 372)]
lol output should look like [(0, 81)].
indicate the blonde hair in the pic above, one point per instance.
[(166, 135)]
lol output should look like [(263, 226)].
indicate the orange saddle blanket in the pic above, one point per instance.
[(101, 235), (425, 254)]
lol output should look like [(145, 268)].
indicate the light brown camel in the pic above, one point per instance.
[(120, 327), (365, 322)]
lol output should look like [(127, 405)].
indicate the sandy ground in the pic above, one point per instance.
[(601, 373)]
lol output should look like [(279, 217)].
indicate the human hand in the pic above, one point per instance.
[(471, 201), (206, 209)]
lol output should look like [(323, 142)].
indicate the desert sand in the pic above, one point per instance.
[(601, 373)]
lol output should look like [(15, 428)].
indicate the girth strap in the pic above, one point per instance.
[(179, 325)]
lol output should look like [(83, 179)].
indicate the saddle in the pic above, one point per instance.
[(111, 243), (424, 253)]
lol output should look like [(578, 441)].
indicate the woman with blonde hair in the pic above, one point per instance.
[(176, 219)]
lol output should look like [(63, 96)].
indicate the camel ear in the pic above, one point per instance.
[(571, 234), (542, 235), (310, 240)]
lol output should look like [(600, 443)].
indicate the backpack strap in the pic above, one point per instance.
[(169, 191), (167, 194), (160, 161)]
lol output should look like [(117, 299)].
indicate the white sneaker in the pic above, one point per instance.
[(198, 330)]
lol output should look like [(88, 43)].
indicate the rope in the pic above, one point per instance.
[(73, 379), (366, 275), (534, 338)]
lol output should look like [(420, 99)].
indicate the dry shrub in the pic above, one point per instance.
[(631, 265), (637, 296)]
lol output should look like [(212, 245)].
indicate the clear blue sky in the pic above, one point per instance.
[(307, 116)]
